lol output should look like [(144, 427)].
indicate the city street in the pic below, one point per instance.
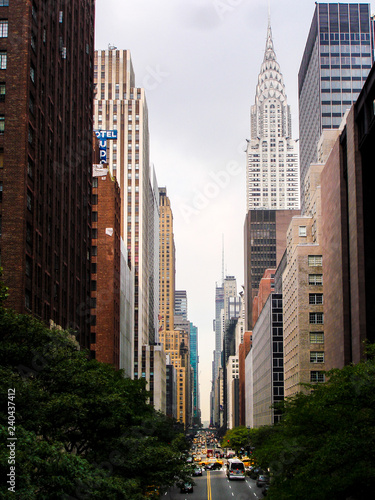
[(214, 485)]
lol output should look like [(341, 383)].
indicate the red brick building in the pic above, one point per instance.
[(266, 286), (105, 266), (244, 350), (46, 89)]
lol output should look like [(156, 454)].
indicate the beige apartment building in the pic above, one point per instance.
[(121, 125), (303, 293)]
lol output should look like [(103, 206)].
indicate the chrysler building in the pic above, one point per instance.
[(272, 171)]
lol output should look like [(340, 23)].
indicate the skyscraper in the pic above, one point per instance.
[(265, 243), (175, 338), (180, 303), (338, 56), (121, 120), (272, 177), (46, 74), (194, 361)]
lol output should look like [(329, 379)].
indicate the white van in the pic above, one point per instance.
[(235, 469)]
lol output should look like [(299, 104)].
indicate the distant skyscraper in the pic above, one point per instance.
[(180, 303), (265, 243), (219, 306), (173, 334), (337, 59), (194, 360), (272, 175)]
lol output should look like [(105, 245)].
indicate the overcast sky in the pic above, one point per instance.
[(199, 62)]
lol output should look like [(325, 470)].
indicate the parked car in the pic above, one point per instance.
[(186, 488), (255, 472), (262, 480), (265, 489)]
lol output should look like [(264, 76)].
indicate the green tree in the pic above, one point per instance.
[(324, 448), (236, 438), (93, 430)]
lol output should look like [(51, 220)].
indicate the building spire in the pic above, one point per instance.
[(269, 13), (269, 54)]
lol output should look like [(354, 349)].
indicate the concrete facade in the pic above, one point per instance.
[(121, 107)]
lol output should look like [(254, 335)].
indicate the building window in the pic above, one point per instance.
[(30, 167), (316, 376), (32, 73), (3, 28), (316, 338), (1, 191), (29, 265), (94, 251), (31, 101), (315, 260), (316, 318), (315, 279), (4, 3), (302, 231), (29, 201), (28, 299), (2, 124), (315, 298), (3, 60), (316, 356), (2, 91)]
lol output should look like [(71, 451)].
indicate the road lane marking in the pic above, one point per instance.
[(209, 496)]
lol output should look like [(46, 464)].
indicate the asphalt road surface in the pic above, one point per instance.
[(214, 485)]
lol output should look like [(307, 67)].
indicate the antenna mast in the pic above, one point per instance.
[(222, 259), (269, 12)]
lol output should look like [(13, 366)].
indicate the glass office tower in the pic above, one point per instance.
[(337, 59)]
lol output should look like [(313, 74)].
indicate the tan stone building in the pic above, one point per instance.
[(303, 293), (121, 124), (176, 341)]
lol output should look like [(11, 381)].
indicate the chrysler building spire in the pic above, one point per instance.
[(271, 153)]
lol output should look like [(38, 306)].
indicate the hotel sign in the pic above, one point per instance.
[(104, 136)]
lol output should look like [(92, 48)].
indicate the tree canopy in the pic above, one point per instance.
[(236, 438), (81, 427), (324, 447)]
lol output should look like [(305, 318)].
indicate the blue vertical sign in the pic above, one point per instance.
[(104, 136)]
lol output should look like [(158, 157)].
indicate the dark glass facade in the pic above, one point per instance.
[(336, 62)]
